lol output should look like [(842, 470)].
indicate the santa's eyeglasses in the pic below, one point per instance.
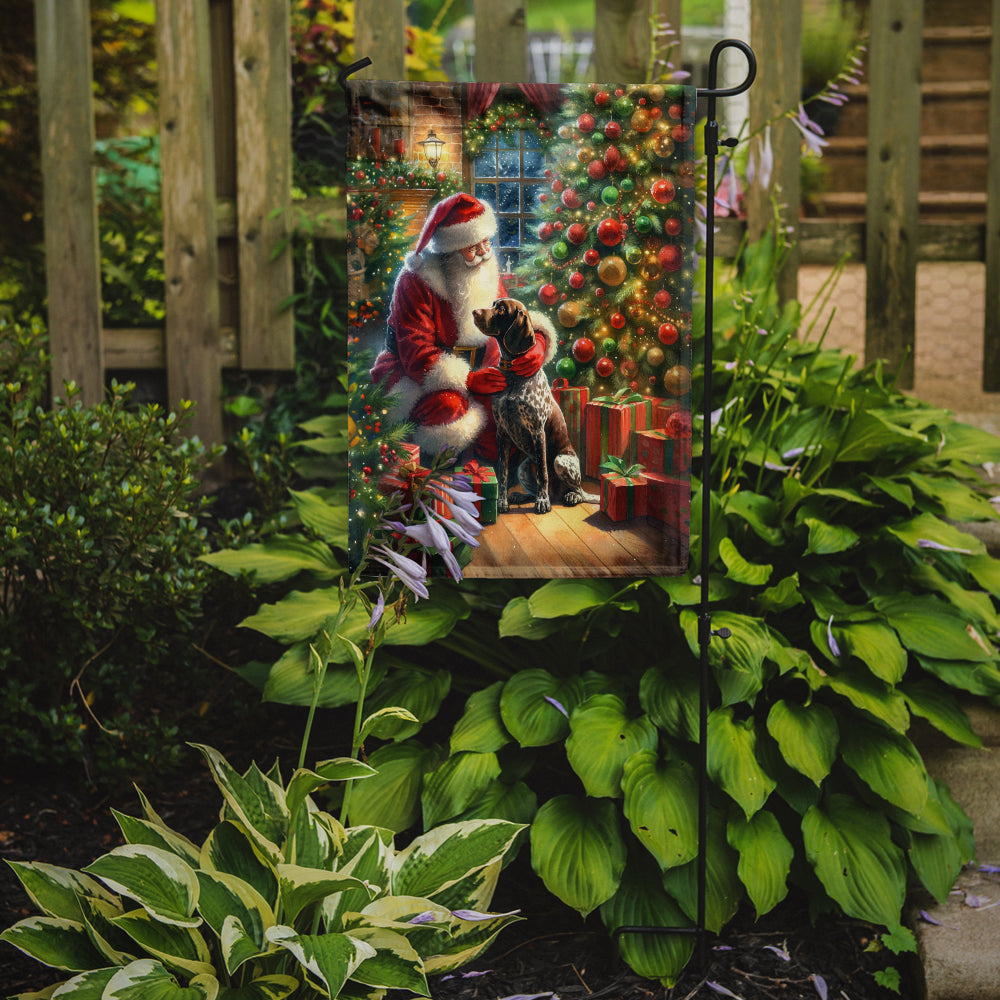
[(481, 249)]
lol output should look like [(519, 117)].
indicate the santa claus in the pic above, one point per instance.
[(440, 369)]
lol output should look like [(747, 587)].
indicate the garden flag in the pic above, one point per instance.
[(520, 267)]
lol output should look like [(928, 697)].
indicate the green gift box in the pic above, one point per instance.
[(484, 482), (572, 400)]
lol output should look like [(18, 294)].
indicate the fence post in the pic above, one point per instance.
[(72, 254), (380, 34), (190, 249), (892, 214), (776, 35), (622, 41), (501, 40), (262, 62), (991, 332)]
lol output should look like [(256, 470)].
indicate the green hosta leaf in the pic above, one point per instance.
[(304, 782), (783, 595), (559, 598), (440, 858), (828, 539), (937, 859), (760, 512), (260, 809), (765, 858), (684, 593), (641, 901), (418, 690), (976, 678), (147, 979), (739, 569), (54, 941), (391, 798), (517, 620), (893, 488), (141, 831), (516, 803), (888, 763), (602, 738), (535, 706), (456, 784), (866, 692), (327, 520), (931, 628), (301, 887), (876, 646), (986, 571), (226, 898), (330, 959), (732, 760), (723, 889), (807, 736), (578, 851), (965, 443), (56, 891), (481, 728), (274, 987), (279, 558), (395, 964), (159, 881), (292, 681), (928, 528), (387, 723), (180, 948), (975, 605), (941, 709), (230, 849), (957, 501), (870, 436), (671, 699), (661, 798), (850, 848), (738, 661)]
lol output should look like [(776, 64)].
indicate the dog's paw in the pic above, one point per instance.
[(502, 505), (542, 504), (573, 497)]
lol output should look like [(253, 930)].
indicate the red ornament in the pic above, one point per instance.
[(655, 112), (571, 198), (441, 176), (610, 232), (670, 257), (576, 280), (601, 98), (612, 157), (599, 292), (605, 367), (676, 111), (545, 231), (356, 214), (557, 186), (548, 294), (628, 368), (591, 257), (612, 131), (680, 133), (667, 333), (576, 233), (617, 320), (543, 197), (678, 424), (663, 190), (619, 91), (586, 122), (662, 299), (673, 226), (584, 350), (591, 205), (596, 170), (558, 226)]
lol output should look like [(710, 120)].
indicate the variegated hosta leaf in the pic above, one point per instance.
[(476, 890), (642, 902), (116, 946), (807, 736), (149, 980), (732, 760), (230, 849), (888, 763), (441, 857), (661, 800), (56, 891), (468, 939), (395, 964), (315, 838), (392, 798), (177, 947), (141, 831), (304, 782), (481, 727), (301, 887), (535, 706), (275, 987), (367, 853), (602, 738), (578, 851), (86, 986), (159, 881), (765, 858), (328, 959), (456, 784), (850, 847), (54, 941), (256, 801), (225, 897)]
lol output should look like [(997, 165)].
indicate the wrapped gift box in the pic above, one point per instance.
[(658, 451), (669, 500), (624, 497), (663, 410), (572, 400), (484, 482), (611, 423), (407, 457)]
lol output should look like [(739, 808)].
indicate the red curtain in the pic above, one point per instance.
[(544, 96)]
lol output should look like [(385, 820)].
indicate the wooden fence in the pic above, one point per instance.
[(226, 160)]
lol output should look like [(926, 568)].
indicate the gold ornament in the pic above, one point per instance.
[(565, 132), (650, 268), (585, 154), (612, 270), (569, 314), (640, 120), (654, 357), (677, 380), (656, 93), (662, 145)]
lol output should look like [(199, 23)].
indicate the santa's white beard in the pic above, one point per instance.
[(470, 287)]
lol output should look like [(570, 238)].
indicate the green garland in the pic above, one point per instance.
[(506, 118), (394, 174)]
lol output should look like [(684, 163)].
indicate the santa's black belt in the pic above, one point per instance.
[(474, 355)]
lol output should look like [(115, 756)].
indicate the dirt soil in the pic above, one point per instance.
[(550, 953)]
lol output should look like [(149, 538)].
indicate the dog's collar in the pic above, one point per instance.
[(505, 366)]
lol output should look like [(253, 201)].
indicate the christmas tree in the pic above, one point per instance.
[(613, 263)]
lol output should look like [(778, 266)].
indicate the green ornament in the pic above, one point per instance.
[(566, 368), (560, 250), (633, 254), (583, 183), (642, 166), (675, 90), (610, 195), (643, 224), (627, 185), (597, 138), (610, 345), (624, 106)]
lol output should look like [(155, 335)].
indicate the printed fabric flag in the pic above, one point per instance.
[(520, 267)]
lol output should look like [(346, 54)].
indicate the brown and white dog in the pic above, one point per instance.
[(528, 418)]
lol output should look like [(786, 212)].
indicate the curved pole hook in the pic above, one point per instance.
[(712, 91), (355, 67)]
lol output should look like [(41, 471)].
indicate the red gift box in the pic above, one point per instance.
[(659, 451), (572, 400), (669, 500), (624, 497), (611, 422), (407, 457), (663, 409)]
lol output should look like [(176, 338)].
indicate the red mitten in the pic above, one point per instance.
[(529, 362), (486, 381)]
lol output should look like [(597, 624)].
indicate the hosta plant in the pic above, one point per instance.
[(279, 900)]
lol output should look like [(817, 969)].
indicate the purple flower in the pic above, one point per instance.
[(760, 164), (427, 917), (820, 983), (811, 132), (780, 952), (412, 574), (475, 915), (719, 988), (552, 701), (927, 543), (831, 642), (377, 612)]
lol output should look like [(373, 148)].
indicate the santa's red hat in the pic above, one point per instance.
[(458, 221)]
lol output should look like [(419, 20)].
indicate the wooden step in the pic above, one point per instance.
[(958, 206), (944, 12), (945, 106), (956, 53)]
